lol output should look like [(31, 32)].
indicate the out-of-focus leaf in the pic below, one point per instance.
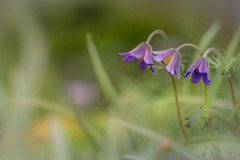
[(101, 73), (59, 141), (156, 137), (208, 37), (191, 120)]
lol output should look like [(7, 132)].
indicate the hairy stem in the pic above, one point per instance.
[(228, 78), (159, 32), (190, 45), (206, 106), (233, 96), (178, 108)]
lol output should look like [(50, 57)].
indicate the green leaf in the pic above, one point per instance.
[(101, 73), (191, 120)]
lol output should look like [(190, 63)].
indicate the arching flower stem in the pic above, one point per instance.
[(178, 108), (190, 45), (161, 33), (206, 105), (228, 76), (173, 81)]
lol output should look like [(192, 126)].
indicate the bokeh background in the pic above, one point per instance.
[(49, 91)]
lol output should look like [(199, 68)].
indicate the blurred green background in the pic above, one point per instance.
[(49, 91)]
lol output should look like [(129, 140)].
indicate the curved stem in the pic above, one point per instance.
[(178, 108), (190, 45), (217, 52), (228, 78), (159, 32), (233, 96), (206, 106)]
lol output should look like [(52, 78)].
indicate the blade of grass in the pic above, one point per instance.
[(101, 73), (58, 138), (207, 38), (156, 137)]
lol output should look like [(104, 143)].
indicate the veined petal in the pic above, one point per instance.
[(177, 66), (142, 64), (140, 50), (205, 79), (195, 64), (195, 77), (148, 56), (139, 47), (203, 68), (161, 55), (171, 65), (128, 58)]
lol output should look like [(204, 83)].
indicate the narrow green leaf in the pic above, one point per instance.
[(101, 73), (156, 137), (207, 38)]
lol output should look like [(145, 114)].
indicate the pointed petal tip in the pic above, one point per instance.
[(123, 54), (152, 68), (186, 75)]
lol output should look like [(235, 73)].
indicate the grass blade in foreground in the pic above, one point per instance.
[(156, 137), (208, 37), (100, 72)]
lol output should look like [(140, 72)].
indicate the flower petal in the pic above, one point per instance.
[(123, 54), (195, 77), (177, 66), (171, 65), (195, 64), (142, 64), (152, 68), (161, 55), (140, 50), (185, 76), (205, 78), (148, 56), (203, 68), (128, 58)]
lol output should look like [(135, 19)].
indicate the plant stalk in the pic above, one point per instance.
[(178, 108), (163, 35), (228, 78), (233, 96)]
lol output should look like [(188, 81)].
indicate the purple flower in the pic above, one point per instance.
[(143, 52), (170, 59), (199, 69)]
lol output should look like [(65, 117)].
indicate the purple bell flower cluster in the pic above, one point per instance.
[(170, 59)]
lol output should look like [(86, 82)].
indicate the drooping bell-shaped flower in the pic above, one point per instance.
[(143, 52), (170, 59), (199, 70)]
